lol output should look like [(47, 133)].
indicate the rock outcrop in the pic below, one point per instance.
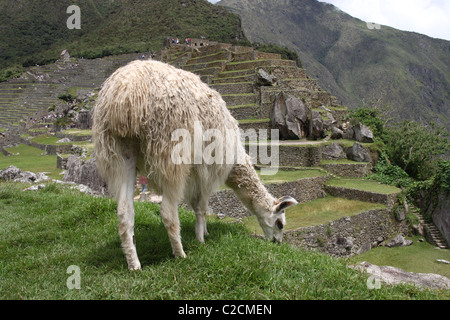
[(84, 172), (290, 116), (12, 173), (391, 275)]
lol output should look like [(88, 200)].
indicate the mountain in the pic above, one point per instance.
[(359, 64), (35, 32)]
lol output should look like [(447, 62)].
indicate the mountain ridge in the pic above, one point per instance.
[(361, 66)]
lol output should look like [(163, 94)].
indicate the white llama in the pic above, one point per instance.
[(138, 109)]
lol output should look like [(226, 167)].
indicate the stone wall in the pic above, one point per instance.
[(354, 194), (50, 149), (307, 189), (353, 170), (441, 214), (86, 173), (348, 236)]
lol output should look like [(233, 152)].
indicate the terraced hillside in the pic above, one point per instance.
[(30, 95), (233, 72), (309, 170)]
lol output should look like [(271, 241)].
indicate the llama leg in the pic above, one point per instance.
[(169, 215), (125, 213), (200, 223)]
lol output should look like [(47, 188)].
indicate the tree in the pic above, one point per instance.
[(415, 147)]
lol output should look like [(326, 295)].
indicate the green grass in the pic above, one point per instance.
[(318, 212), (31, 159), (290, 175), (420, 257), (48, 139), (78, 132), (340, 161), (365, 185), (46, 231)]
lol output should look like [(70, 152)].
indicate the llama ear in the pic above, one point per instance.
[(284, 203)]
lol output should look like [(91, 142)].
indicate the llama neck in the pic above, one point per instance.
[(245, 182)]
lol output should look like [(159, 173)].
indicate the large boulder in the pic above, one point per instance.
[(265, 79), (290, 116), (333, 152), (392, 276), (15, 174), (84, 172), (316, 127), (359, 153), (336, 133), (399, 241), (362, 133)]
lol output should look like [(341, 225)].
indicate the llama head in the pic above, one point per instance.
[(273, 222)]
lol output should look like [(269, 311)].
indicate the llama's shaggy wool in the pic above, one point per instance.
[(141, 104), (140, 109)]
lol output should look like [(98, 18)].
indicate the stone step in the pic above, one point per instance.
[(348, 169), (217, 56), (205, 65), (241, 112), (233, 88), (255, 55), (239, 99), (308, 84), (236, 73), (252, 64), (213, 71), (242, 78)]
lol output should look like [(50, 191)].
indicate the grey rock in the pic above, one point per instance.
[(393, 276), (265, 79), (84, 172), (443, 261), (359, 153), (12, 173), (35, 187), (365, 247), (333, 152), (63, 140), (399, 241), (363, 133), (336, 133), (289, 115), (316, 128)]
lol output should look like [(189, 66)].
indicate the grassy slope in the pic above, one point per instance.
[(31, 159), (420, 257), (406, 70), (46, 231), (317, 212)]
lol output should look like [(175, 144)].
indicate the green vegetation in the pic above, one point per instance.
[(46, 231), (31, 159), (289, 175), (414, 147), (353, 62), (365, 185), (283, 51), (420, 257), (317, 212), (39, 33)]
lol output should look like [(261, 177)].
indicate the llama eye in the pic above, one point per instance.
[(279, 224)]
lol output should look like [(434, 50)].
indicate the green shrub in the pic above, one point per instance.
[(387, 173), (67, 97)]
